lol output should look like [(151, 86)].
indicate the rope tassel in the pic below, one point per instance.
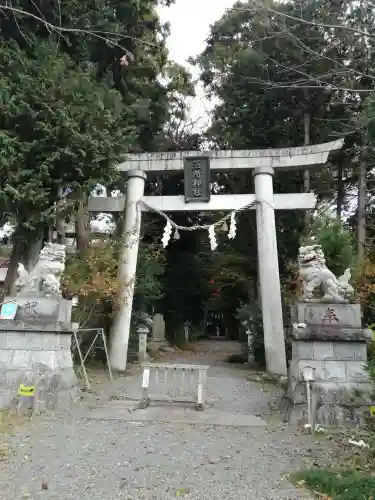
[(233, 226), (212, 237), (167, 233)]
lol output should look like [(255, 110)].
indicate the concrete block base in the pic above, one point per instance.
[(340, 390), (36, 358), (328, 341), (335, 404)]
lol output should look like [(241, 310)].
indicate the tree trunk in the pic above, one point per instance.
[(361, 210), (25, 251), (30, 260), (82, 225), (306, 175), (16, 255), (340, 190), (60, 219)]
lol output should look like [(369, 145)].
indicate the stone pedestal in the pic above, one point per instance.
[(35, 350), (40, 358), (329, 339)]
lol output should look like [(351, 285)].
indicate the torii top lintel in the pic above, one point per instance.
[(284, 158)]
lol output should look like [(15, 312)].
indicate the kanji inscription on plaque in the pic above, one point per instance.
[(197, 179)]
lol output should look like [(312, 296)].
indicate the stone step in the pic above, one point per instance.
[(173, 413)]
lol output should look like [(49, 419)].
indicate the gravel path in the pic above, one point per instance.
[(65, 456)]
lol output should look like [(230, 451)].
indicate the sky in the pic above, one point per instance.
[(190, 22)]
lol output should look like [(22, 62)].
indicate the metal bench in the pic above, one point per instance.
[(173, 383)]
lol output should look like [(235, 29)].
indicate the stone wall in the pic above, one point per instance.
[(332, 361), (38, 357)]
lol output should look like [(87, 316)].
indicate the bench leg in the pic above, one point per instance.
[(200, 406), (144, 403)]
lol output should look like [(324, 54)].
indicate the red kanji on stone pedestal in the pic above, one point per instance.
[(330, 317)]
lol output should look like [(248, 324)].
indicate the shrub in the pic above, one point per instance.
[(371, 345), (250, 317), (337, 242), (337, 484), (365, 287), (237, 358), (92, 277)]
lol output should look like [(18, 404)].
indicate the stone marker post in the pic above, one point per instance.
[(187, 331), (143, 332), (157, 332)]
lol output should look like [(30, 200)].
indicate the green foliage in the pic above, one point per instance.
[(338, 484), (59, 129), (371, 345), (150, 270), (92, 277), (369, 117), (337, 242), (73, 103), (107, 31), (278, 83), (250, 317), (371, 352), (370, 366), (182, 281), (245, 62)]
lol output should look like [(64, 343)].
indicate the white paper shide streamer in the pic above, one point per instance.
[(167, 233), (233, 226), (212, 237)]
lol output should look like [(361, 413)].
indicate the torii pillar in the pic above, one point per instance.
[(119, 338), (269, 276)]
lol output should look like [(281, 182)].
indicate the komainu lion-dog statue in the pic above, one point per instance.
[(314, 273)]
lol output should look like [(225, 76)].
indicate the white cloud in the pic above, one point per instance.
[(190, 22)]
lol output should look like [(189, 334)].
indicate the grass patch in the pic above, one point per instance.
[(337, 484), (9, 423), (237, 358), (188, 346), (264, 378)]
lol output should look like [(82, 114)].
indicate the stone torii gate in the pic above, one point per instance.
[(263, 162)]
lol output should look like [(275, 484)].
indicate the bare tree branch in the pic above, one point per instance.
[(95, 33), (311, 80), (258, 6)]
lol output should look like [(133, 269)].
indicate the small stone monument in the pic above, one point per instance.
[(328, 341), (35, 345), (143, 331)]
